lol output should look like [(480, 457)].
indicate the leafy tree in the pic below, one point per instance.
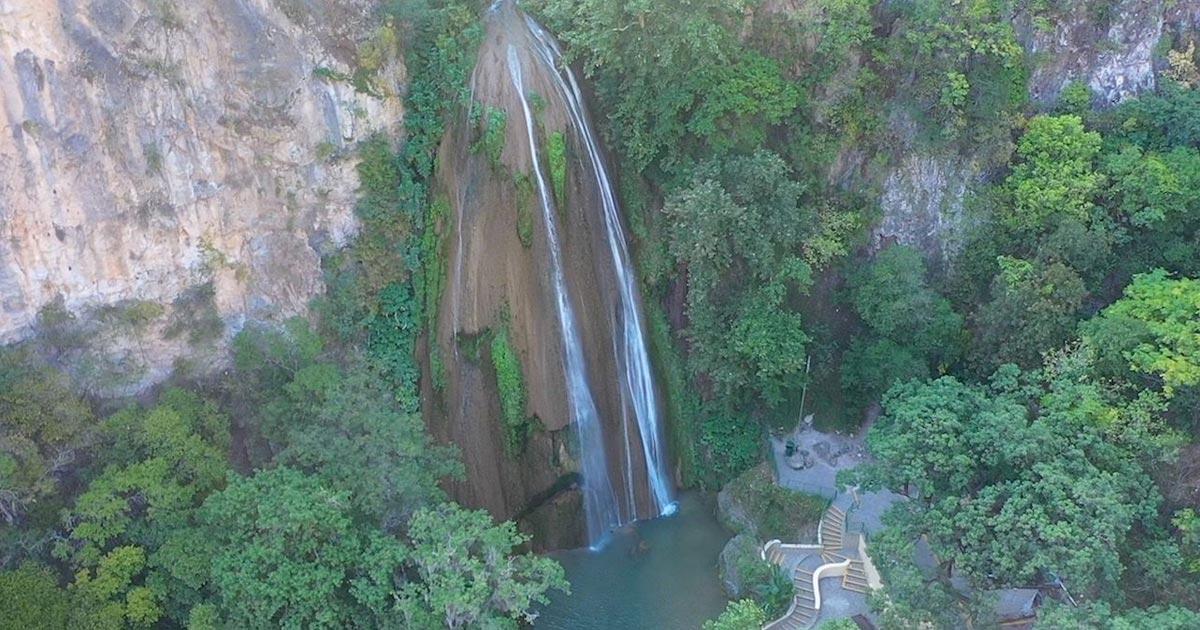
[(1101, 616), (1034, 306), (1007, 499), (468, 575), (735, 229), (911, 329), (1155, 327), (1187, 522), (286, 552), (1158, 121), (893, 298), (108, 595), (912, 597), (31, 599), (136, 519), (355, 439), (970, 426), (43, 425), (166, 460), (1154, 194), (342, 424), (743, 614), (869, 368), (1056, 176)]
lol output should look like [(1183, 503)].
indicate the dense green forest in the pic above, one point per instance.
[(1038, 395), (298, 490), (1039, 392)]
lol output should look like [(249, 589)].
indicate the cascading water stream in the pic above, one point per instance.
[(600, 502), (638, 381)]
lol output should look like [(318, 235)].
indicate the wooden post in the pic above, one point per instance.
[(804, 392)]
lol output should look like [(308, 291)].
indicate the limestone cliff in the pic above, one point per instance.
[(1113, 47), (172, 169)]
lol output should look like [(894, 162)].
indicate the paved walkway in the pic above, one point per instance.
[(845, 574)]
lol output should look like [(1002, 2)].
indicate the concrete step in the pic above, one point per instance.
[(857, 587), (849, 579)]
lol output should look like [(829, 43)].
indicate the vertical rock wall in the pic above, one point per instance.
[(170, 169)]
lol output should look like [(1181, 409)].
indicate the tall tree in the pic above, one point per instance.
[(468, 575), (286, 552), (43, 426)]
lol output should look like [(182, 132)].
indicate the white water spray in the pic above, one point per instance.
[(636, 373), (600, 502)]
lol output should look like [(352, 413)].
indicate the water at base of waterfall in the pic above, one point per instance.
[(668, 583)]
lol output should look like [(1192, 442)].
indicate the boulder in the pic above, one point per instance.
[(731, 580)]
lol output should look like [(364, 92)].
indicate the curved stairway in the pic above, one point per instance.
[(831, 538), (833, 528)]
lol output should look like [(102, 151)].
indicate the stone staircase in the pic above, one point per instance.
[(833, 528), (833, 531), (831, 550), (804, 610), (855, 578)]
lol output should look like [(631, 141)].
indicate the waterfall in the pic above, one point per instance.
[(636, 374), (600, 502)]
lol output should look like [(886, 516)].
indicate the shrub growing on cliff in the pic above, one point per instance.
[(511, 385), (556, 153), (525, 196), (491, 123), (673, 77)]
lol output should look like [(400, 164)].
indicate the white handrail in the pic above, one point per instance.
[(817, 575), (828, 569)]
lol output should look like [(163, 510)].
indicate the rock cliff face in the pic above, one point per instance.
[(1113, 47), (170, 169), (506, 254)]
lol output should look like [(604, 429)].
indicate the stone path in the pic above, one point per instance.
[(843, 572)]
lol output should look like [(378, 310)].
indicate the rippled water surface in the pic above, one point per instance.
[(672, 583)]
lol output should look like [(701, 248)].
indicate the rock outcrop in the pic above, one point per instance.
[(732, 555), (1112, 47), (172, 169), (1108, 46), (922, 204)]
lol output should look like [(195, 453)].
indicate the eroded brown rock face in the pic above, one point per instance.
[(494, 279), (177, 160)]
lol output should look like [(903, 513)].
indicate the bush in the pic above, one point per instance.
[(743, 614), (524, 208), (556, 150), (770, 586), (492, 122), (731, 444), (511, 385)]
